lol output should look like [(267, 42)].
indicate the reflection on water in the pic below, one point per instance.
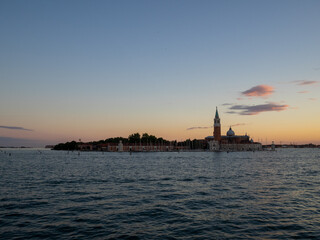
[(160, 195)]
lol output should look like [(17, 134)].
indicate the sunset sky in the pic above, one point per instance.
[(100, 69)]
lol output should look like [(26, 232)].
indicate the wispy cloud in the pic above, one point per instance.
[(231, 112), (193, 128), (259, 91), (305, 82), (238, 124), (313, 99), (256, 109), (16, 128), (303, 92), (316, 68), (227, 104)]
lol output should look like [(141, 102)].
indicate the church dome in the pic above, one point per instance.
[(230, 133)]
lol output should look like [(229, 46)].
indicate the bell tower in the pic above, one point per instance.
[(217, 127)]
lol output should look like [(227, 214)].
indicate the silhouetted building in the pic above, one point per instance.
[(231, 141), (217, 127)]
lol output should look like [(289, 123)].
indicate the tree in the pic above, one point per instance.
[(67, 146), (152, 139), (134, 138), (145, 138)]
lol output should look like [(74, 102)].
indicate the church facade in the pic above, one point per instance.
[(231, 141)]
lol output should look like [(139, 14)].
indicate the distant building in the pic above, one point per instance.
[(85, 147), (49, 146), (134, 147), (230, 142)]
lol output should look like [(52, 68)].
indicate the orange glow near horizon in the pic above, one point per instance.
[(284, 134), (290, 126)]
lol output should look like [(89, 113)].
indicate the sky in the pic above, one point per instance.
[(92, 70)]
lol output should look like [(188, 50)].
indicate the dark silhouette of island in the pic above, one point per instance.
[(134, 142)]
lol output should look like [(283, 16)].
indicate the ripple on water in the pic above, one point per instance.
[(199, 195)]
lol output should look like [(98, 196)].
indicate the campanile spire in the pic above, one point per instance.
[(217, 127), (217, 114)]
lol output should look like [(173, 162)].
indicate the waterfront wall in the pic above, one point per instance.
[(241, 147), (216, 146)]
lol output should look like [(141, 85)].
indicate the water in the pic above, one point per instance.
[(191, 195)]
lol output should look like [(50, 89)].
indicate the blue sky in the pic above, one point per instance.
[(97, 69)]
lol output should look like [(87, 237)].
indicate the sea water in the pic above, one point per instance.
[(160, 195)]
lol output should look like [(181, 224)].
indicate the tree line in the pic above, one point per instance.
[(134, 138)]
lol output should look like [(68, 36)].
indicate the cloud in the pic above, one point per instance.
[(227, 104), (234, 125), (259, 91), (305, 82), (16, 128), (238, 124), (316, 68), (303, 92), (231, 112), (193, 128), (256, 109), (313, 99)]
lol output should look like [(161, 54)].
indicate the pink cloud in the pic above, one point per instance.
[(303, 92), (313, 99), (259, 91)]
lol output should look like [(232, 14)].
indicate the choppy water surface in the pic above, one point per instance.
[(191, 195)]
